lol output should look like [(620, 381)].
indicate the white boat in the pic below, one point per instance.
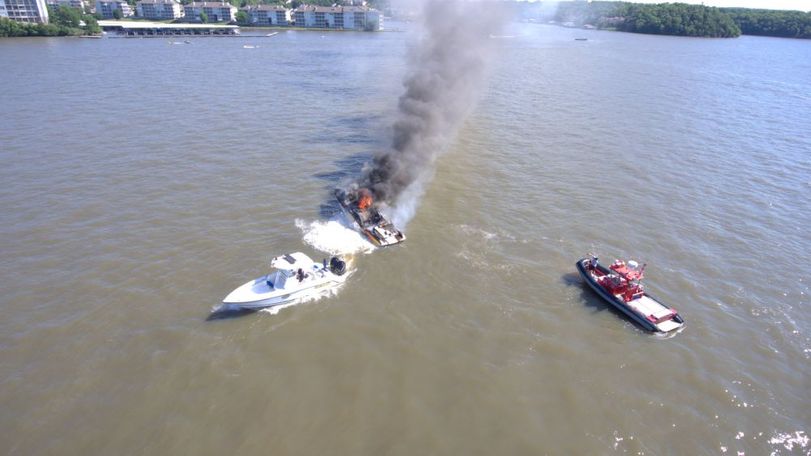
[(272, 34), (295, 277)]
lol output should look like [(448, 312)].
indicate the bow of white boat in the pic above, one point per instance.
[(255, 290)]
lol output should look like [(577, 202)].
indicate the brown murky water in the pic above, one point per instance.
[(142, 181)]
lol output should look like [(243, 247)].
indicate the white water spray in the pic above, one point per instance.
[(334, 237)]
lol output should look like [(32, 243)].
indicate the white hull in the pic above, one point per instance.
[(295, 279), (256, 294)]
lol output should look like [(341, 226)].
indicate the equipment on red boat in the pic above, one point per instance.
[(621, 285)]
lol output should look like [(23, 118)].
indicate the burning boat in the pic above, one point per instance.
[(360, 205), (621, 285)]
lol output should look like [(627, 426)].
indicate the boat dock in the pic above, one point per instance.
[(162, 29)]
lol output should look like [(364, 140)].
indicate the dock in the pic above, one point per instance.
[(160, 29)]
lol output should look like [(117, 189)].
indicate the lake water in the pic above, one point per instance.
[(142, 181)]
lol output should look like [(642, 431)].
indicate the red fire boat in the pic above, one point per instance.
[(621, 285)]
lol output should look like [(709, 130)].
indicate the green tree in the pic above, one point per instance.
[(203, 17), (64, 21), (678, 19), (242, 18), (117, 13), (91, 25), (787, 24), (65, 16)]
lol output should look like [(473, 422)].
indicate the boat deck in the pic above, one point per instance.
[(648, 306)]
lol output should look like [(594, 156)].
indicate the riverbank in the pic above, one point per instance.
[(679, 19), (13, 29)]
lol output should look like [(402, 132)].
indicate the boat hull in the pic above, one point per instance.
[(256, 294), (622, 306)]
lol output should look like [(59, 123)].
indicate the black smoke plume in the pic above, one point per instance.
[(446, 72)]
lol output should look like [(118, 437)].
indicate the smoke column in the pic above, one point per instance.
[(446, 72)]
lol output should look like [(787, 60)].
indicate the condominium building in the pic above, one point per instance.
[(159, 9), (267, 15), (33, 11), (362, 18), (338, 17), (80, 4), (304, 16), (107, 8), (216, 11)]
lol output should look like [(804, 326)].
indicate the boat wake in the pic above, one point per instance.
[(335, 236)]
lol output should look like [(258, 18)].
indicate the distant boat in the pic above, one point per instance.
[(272, 34), (581, 39), (249, 46)]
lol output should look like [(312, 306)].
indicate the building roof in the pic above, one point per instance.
[(264, 8), (327, 9), (356, 9), (210, 5), (333, 9), (155, 2)]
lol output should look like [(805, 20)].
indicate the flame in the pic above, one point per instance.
[(365, 199)]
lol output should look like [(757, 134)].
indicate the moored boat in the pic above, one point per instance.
[(295, 277), (621, 285)]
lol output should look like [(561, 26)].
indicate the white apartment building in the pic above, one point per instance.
[(159, 9), (362, 18), (33, 11), (304, 16), (69, 3), (216, 11), (106, 8), (268, 15), (338, 17)]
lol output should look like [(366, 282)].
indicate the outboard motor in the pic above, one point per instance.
[(337, 266)]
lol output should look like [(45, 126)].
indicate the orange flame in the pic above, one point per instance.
[(365, 199)]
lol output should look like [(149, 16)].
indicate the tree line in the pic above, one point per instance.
[(64, 21), (786, 24), (685, 20), (677, 19)]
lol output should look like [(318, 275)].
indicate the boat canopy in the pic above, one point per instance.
[(292, 262)]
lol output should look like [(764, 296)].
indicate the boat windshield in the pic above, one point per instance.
[(278, 279)]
